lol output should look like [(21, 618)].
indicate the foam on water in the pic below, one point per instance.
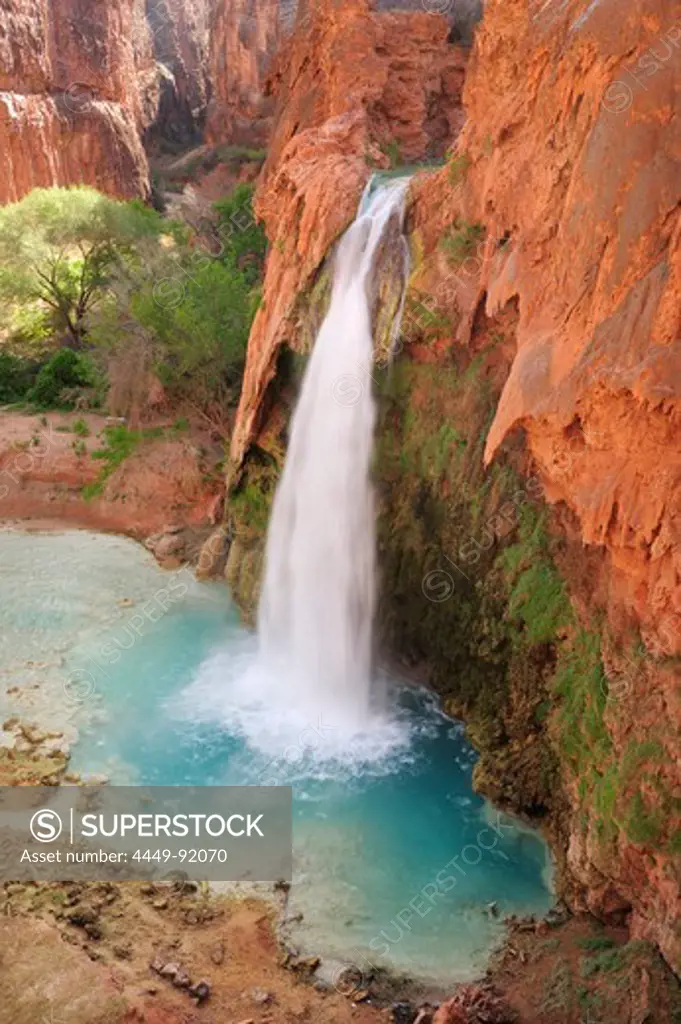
[(233, 686)]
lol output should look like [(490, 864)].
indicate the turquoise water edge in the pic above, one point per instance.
[(396, 860)]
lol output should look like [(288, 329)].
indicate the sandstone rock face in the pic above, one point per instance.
[(164, 481), (570, 165), (245, 35), (349, 82), (580, 112), (462, 15), (77, 85), (180, 30)]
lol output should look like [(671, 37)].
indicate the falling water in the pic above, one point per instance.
[(317, 607)]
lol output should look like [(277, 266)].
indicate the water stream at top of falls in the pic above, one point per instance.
[(317, 607)]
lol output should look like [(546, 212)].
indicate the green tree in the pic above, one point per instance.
[(59, 246), (243, 243), (184, 315)]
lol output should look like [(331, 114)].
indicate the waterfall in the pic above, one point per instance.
[(317, 607)]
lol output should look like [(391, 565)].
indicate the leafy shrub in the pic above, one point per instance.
[(17, 377), (80, 428), (128, 291), (58, 247), (65, 370), (184, 315), (30, 329), (243, 243)]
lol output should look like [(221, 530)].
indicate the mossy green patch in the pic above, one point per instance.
[(119, 444), (538, 598), (458, 168), (461, 241), (445, 598)]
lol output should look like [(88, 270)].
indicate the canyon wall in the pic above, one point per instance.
[(245, 36), (246, 39), (379, 87), (77, 87), (529, 456), (572, 154), (180, 31)]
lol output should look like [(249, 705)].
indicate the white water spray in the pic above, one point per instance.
[(316, 612)]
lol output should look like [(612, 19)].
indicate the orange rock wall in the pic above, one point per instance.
[(77, 86), (570, 163), (245, 35), (575, 145), (347, 83), (575, 142)]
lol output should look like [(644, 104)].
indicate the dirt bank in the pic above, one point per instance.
[(61, 469)]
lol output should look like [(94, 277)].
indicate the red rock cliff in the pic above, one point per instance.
[(351, 86), (77, 82), (580, 109), (569, 162), (244, 38), (574, 140)]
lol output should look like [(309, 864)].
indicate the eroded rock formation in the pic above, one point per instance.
[(356, 89), (573, 138), (180, 32), (245, 36), (563, 198), (77, 87)]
